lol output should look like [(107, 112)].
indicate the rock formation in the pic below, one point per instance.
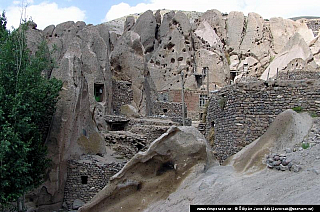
[(246, 178), (120, 66), (154, 174), (295, 55)]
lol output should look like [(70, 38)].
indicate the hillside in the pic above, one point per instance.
[(304, 17)]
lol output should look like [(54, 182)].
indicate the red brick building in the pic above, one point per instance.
[(195, 101)]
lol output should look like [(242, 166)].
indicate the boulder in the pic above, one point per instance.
[(175, 53), (162, 168), (47, 32)]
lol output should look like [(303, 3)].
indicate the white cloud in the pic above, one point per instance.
[(267, 9), (44, 14)]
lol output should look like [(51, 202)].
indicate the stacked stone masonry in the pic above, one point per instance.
[(314, 25), (169, 109), (86, 178), (298, 75), (126, 144), (172, 110), (122, 94), (240, 113)]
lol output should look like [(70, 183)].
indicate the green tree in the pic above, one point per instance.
[(27, 105)]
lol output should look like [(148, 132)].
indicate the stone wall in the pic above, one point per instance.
[(299, 75), (122, 94), (85, 178), (240, 113), (314, 25), (125, 143), (168, 109)]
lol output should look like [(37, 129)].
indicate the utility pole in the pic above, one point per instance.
[(207, 75), (182, 98)]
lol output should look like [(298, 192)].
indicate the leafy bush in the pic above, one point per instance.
[(27, 105), (298, 109)]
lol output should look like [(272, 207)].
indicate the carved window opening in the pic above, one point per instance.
[(233, 75), (84, 180), (98, 92)]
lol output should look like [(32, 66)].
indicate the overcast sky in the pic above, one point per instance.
[(47, 12)]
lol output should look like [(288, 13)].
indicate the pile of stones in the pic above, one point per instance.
[(281, 162)]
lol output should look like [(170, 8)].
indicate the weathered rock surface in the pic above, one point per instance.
[(315, 49), (235, 25), (296, 48), (154, 174), (146, 28)]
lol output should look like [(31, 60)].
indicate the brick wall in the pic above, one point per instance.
[(191, 98), (242, 112)]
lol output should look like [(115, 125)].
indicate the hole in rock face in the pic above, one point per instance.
[(170, 46), (139, 186), (165, 167)]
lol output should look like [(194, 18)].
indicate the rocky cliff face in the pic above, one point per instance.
[(149, 53)]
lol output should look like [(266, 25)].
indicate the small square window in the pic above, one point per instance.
[(84, 180), (203, 100)]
